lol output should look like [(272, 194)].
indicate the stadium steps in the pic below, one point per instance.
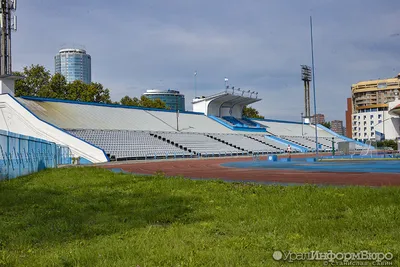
[(296, 142), (200, 144), (279, 149), (323, 145), (215, 137), (239, 142)]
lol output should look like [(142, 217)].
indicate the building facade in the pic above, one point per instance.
[(337, 127), (74, 64), (173, 99), (320, 118), (370, 108), (349, 113)]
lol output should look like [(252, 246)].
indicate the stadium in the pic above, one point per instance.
[(93, 184), (94, 133), (99, 133)]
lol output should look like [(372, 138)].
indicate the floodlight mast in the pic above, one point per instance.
[(306, 77), (8, 23)]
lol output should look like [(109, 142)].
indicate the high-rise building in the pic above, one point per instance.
[(349, 113), (74, 64), (370, 107), (172, 98), (320, 118), (337, 127)]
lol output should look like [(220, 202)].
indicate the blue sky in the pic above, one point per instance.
[(258, 44)]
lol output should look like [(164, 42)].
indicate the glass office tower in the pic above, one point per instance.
[(172, 98), (74, 64)]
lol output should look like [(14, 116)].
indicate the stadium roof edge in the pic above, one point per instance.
[(42, 99), (281, 121)]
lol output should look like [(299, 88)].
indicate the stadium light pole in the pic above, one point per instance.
[(302, 124), (177, 112), (226, 85), (195, 84), (313, 81)]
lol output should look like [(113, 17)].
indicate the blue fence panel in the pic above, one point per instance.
[(22, 155)]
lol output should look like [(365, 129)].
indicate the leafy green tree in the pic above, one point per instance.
[(36, 78), (96, 93), (250, 112), (76, 91), (39, 82), (143, 102), (127, 101), (388, 143), (56, 88), (327, 124)]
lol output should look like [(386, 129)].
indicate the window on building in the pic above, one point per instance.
[(379, 116), (372, 134), (380, 121)]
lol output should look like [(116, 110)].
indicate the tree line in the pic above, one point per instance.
[(40, 82)]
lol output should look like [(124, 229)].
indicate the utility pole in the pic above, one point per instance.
[(177, 112), (8, 23), (314, 95)]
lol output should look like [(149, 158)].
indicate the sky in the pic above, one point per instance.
[(258, 44)]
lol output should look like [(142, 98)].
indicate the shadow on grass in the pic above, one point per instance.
[(43, 215)]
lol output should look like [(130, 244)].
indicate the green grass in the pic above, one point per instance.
[(92, 217)]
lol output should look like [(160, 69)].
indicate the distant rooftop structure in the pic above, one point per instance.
[(173, 99), (228, 103)]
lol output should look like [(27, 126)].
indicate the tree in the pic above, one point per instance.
[(143, 102), (97, 93), (56, 88), (327, 124), (250, 112), (127, 101), (39, 82), (36, 77), (387, 143)]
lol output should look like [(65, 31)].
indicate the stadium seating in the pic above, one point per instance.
[(199, 144), (307, 142), (246, 143), (138, 133), (125, 145), (261, 138)]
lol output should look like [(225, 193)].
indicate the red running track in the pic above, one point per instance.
[(212, 169)]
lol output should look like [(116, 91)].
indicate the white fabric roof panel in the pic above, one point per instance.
[(292, 129), (80, 116)]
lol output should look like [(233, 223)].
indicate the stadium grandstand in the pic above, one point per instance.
[(99, 133)]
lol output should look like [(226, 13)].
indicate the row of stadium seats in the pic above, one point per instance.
[(126, 144), (249, 144), (199, 144)]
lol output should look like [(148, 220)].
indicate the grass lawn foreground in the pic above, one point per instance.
[(92, 217)]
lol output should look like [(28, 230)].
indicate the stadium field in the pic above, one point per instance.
[(372, 173), (90, 216)]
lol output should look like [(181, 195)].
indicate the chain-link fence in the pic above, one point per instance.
[(22, 155)]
